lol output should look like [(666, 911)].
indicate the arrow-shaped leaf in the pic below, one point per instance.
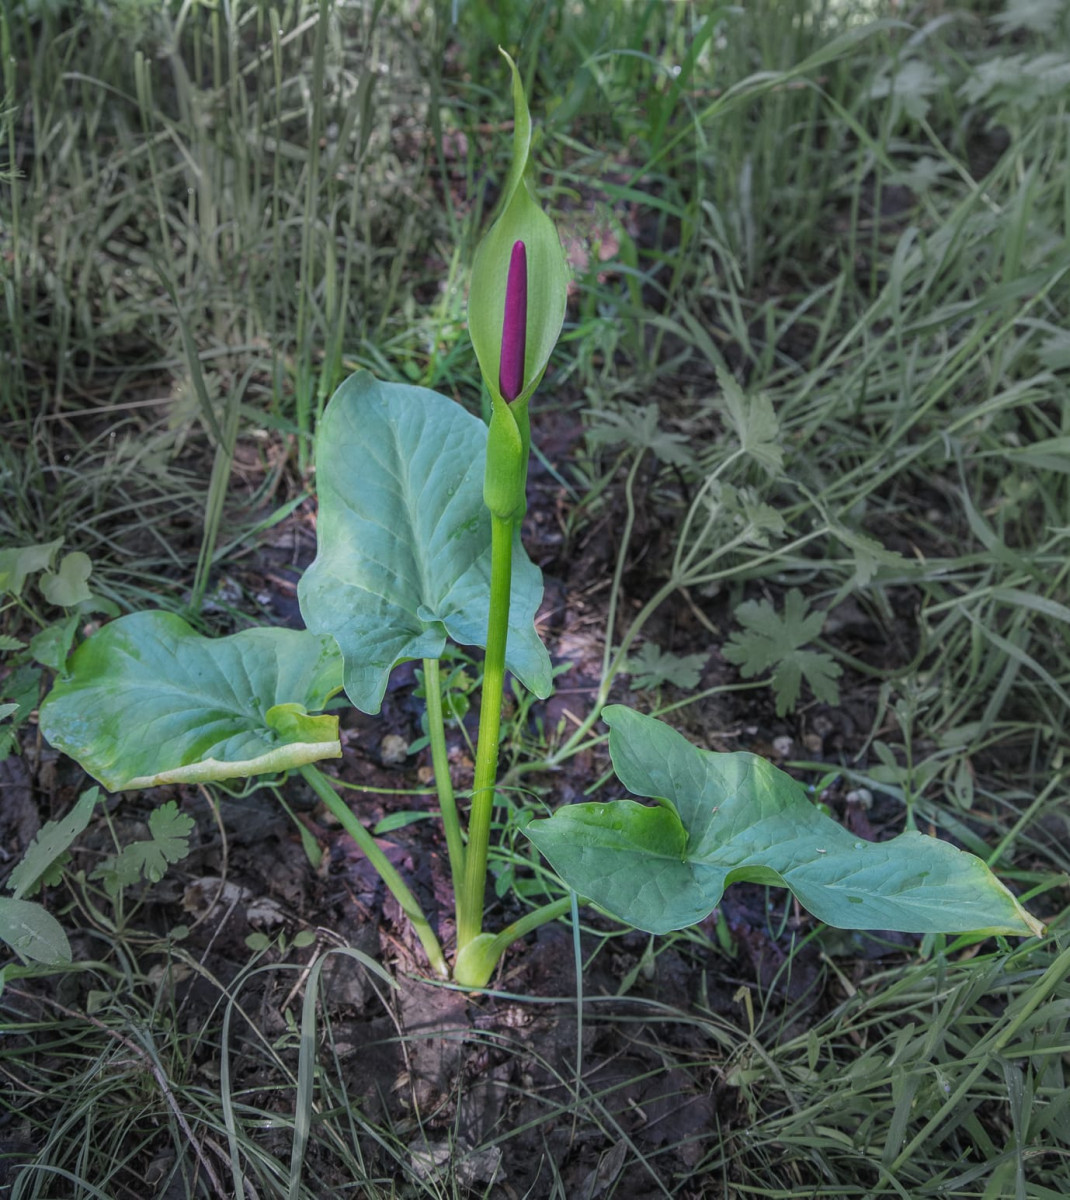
[(733, 818)]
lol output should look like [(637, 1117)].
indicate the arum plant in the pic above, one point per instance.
[(420, 506), (418, 544)]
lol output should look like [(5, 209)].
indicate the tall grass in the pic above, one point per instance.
[(204, 203)]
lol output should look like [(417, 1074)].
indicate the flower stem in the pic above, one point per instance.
[(470, 897), (436, 731), (389, 875)]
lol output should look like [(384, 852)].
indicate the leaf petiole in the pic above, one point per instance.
[(319, 783), (440, 760)]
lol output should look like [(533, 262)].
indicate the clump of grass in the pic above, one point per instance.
[(938, 1078), (205, 209)]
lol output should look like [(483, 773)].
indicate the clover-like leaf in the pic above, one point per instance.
[(67, 586), (734, 818), (754, 422), (769, 640), (168, 842), (147, 701), (652, 666), (640, 426), (405, 540)]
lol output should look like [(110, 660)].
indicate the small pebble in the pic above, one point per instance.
[(861, 796), (393, 750)]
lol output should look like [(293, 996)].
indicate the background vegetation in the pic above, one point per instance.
[(838, 231)]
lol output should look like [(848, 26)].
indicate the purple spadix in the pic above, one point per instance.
[(515, 326)]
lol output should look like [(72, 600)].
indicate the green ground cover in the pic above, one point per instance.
[(834, 235)]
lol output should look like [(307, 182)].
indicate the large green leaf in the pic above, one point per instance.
[(147, 700), (404, 538), (733, 818)]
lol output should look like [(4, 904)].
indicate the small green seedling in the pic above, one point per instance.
[(419, 545), (63, 585)]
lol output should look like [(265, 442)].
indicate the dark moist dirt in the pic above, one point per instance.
[(474, 1069)]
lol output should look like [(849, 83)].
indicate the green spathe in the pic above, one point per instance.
[(734, 818), (147, 700), (404, 539), (519, 219)]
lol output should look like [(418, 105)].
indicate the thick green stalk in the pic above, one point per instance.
[(470, 897), (436, 731), (398, 888)]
